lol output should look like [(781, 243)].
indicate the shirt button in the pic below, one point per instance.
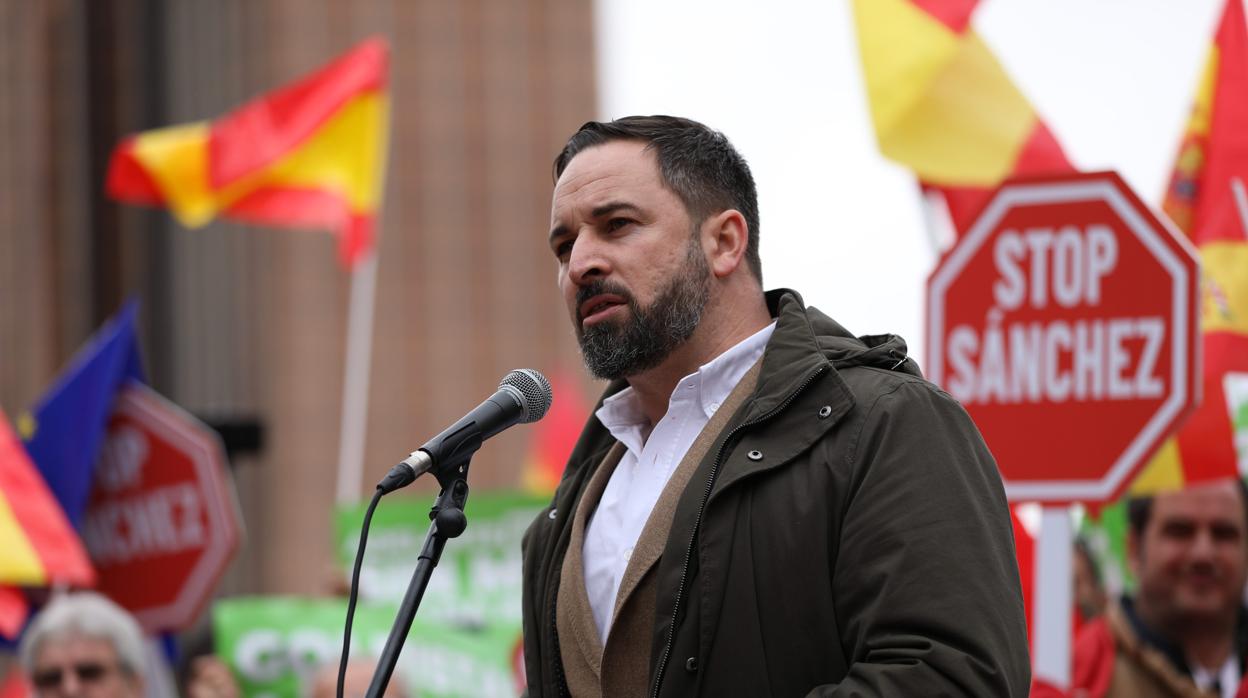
[(713, 406), (691, 664)]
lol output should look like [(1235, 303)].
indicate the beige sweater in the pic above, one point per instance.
[(622, 668)]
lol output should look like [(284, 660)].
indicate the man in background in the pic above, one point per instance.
[(83, 644), (1185, 632)]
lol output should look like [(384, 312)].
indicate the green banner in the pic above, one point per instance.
[(1106, 536), (276, 645), (477, 582), (1235, 385)]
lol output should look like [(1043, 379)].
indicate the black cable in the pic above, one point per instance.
[(355, 590)]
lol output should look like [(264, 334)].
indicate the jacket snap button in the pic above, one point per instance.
[(825, 411), (552, 513), (691, 664), (754, 455)]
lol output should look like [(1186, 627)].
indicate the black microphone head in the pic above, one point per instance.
[(531, 389)]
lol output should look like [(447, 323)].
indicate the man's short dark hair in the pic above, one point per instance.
[(1140, 509), (695, 162)]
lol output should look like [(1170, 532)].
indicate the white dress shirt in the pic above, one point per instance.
[(1226, 680), (643, 471)]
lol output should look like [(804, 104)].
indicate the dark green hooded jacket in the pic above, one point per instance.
[(847, 535)]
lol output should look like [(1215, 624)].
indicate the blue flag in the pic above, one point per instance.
[(65, 429)]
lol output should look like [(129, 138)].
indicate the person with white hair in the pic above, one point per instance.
[(82, 644)]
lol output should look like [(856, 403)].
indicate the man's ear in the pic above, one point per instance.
[(725, 237)]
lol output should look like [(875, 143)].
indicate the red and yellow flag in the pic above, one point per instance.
[(1208, 199), (14, 610), (944, 106), (555, 436), (37, 544), (308, 155)]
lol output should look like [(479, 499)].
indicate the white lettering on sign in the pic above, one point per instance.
[(259, 655), (1066, 265), (1056, 361), (121, 459), (160, 522)]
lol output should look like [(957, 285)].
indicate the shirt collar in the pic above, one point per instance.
[(713, 381)]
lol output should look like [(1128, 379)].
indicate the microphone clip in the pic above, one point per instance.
[(447, 512)]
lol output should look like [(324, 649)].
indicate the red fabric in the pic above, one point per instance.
[(1215, 217), (1025, 549), (1040, 154), (1043, 689), (263, 130), (290, 207), (1201, 200), (1093, 665), (955, 14), (14, 686), (13, 611), (128, 181), (1207, 440), (556, 434), (39, 515)]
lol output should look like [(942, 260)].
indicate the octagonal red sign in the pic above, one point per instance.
[(1065, 321), (161, 524)]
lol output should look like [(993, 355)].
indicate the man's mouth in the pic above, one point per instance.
[(599, 306)]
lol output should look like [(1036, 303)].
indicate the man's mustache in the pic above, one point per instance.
[(598, 288)]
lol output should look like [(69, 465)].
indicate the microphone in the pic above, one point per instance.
[(523, 396)]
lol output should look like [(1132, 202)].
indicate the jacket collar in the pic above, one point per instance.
[(792, 354), (804, 342), (1171, 651)]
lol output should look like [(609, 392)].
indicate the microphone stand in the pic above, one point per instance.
[(447, 521)]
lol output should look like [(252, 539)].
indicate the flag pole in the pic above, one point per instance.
[(355, 381), (1053, 594), (937, 221)]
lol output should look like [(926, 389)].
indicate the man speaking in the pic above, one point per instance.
[(761, 504)]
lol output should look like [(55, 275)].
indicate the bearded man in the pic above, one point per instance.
[(762, 504)]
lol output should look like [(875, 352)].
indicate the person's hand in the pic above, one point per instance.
[(211, 678)]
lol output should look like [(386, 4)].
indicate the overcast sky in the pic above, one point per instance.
[(1113, 78)]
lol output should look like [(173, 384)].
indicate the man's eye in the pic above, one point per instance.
[(1226, 533), (1176, 529), (563, 249), (616, 223)]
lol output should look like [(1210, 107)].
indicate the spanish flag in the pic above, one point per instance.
[(555, 436), (37, 544), (308, 155), (1208, 199), (944, 106)]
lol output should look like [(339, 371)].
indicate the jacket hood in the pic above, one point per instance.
[(838, 345)]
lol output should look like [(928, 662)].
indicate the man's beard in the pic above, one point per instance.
[(644, 339)]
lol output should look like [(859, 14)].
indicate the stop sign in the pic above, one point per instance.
[(161, 524), (1065, 320)]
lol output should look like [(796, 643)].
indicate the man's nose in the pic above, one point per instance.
[(1203, 545), (70, 685), (587, 260)]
